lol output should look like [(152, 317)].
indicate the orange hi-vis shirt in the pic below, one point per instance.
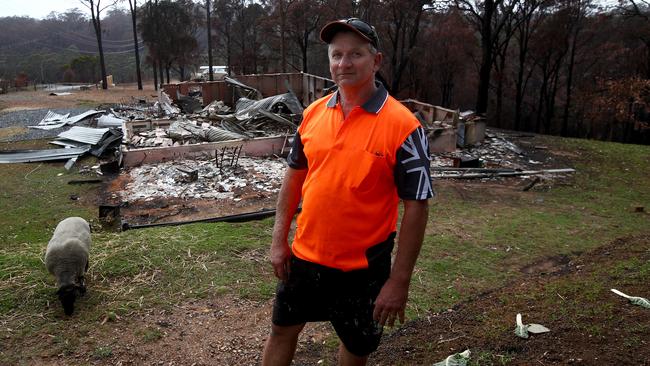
[(350, 197)]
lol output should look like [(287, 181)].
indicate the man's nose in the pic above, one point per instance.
[(345, 61)]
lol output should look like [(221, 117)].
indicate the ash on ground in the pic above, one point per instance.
[(171, 180)]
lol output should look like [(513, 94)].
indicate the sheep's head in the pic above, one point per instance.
[(68, 294)]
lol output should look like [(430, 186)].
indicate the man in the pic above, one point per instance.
[(356, 154)]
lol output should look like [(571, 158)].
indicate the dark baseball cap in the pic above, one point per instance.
[(356, 25)]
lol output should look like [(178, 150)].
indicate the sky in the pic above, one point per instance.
[(41, 8)]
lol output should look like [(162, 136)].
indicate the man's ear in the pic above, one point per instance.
[(379, 57)]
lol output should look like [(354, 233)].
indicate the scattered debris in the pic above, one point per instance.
[(522, 330), (248, 216), (460, 173), (165, 104), (530, 184), (223, 181), (184, 131), (634, 299), (457, 359), (84, 181), (191, 175), (217, 107), (282, 103), (189, 105), (251, 92)]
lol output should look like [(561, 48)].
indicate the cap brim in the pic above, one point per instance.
[(330, 29)]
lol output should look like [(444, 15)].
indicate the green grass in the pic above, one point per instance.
[(151, 334), (102, 352), (477, 244), (472, 245), (86, 103), (484, 358)]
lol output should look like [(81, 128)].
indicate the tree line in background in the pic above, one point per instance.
[(566, 67)]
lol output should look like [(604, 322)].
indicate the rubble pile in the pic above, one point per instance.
[(232, 180), (272, 116), (185, 132), (498, 157), (496, 151)]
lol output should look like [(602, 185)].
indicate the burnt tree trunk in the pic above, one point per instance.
[(94, 12), (155, 75), (133, 6), (486, 58), (209, 27)]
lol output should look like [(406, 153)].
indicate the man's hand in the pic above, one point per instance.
[(288, 200), (280, 255), (391, 303)]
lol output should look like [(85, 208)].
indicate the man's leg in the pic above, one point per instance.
[(348, 359), (281, 345)]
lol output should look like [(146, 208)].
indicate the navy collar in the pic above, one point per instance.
[(373, 105)]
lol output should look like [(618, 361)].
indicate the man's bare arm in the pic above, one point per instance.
[(391, 302), (288, 201)]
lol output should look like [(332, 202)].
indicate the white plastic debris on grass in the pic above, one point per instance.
[(457, 359), (641, 301), (164, 180), (522, 329)]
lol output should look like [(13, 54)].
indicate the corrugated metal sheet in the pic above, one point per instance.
[(28, 156), (109, 121), (54, 120), (87, 135), (68, 143)]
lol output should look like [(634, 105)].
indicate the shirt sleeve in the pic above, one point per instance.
[(412, 167), (296, 157)]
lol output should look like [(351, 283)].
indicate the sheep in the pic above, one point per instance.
[(66, 258)]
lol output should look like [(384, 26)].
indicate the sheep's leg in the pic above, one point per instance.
[(82, 284)]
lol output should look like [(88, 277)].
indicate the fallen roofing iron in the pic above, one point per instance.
[(247, 108), (28, 156), (187, 129), (86, 135), (165, 104), (487, 173), (109, 121), (252, 92), (248, 216), (54, 120)]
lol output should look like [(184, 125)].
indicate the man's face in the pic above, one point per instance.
[(352, 64)]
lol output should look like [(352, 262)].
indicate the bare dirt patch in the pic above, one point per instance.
[(39, 99), (221, 331)]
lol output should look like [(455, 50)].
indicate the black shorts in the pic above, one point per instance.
[(317, 293)]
